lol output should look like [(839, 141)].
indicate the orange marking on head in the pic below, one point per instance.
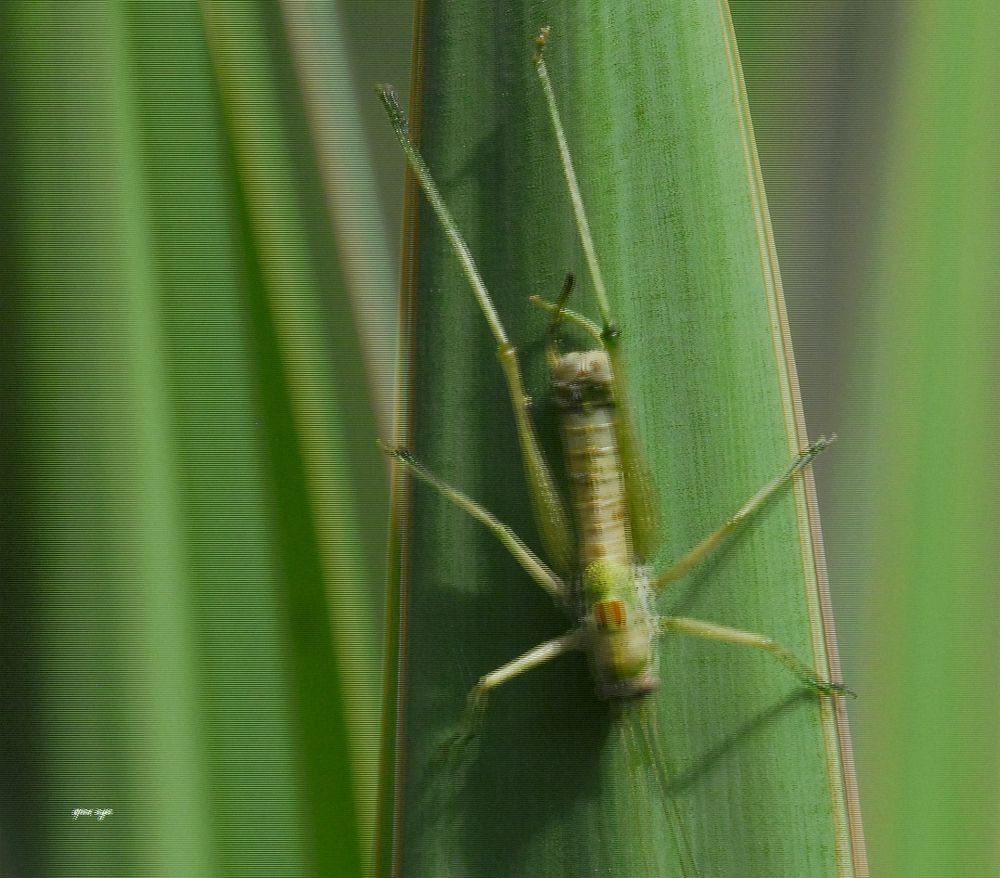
[(610, 614)]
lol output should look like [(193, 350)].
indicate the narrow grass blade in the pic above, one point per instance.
[(925, 394), (656, 118), (183, 508)]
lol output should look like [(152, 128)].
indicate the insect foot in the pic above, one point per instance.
[(819, 445), (830, 690), (453, 751), (396, 451)]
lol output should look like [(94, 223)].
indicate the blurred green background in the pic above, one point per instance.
[(200, 225)]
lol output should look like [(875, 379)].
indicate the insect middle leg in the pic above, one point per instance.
[(685, 563), (710, 631), (532, 564)]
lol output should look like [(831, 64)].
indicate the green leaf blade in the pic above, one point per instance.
[(655, 118)]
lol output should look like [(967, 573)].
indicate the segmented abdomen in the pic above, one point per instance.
[(598, 488)]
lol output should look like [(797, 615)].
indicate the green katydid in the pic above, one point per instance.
[(597, 571)]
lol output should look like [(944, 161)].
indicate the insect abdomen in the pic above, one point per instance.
[(597, 484)]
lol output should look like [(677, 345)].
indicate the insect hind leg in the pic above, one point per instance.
[(550, 514)]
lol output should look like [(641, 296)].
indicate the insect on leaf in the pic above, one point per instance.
[(560, 783)]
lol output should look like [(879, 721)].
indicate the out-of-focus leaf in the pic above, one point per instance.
[(924, 395), (188, 530)]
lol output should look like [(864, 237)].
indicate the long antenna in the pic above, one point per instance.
[(574, 188), (423, 175)]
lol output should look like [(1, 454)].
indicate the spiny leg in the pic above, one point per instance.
[(549, 511), (684, 564), (642, 512), (534, 566), (710, 631)]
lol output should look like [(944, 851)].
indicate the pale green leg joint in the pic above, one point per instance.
[(710, 631)]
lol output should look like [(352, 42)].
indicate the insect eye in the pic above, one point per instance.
[(610, 615)]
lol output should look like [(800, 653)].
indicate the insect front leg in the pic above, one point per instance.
[(710, 631), (476, 704), (539, 655), (683, 565)]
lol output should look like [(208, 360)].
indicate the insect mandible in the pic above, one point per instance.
[(597, 571)]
